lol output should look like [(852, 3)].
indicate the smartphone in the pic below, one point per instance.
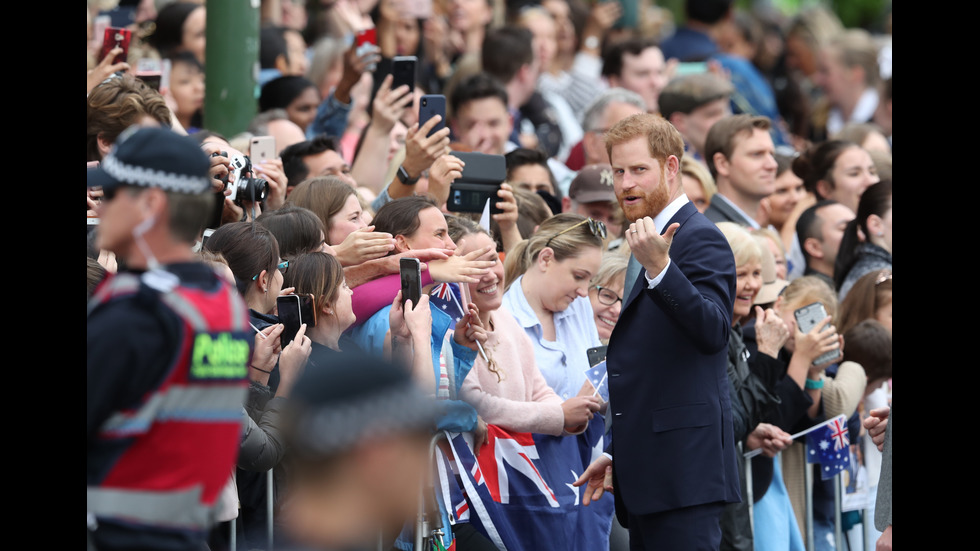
[(596, 355), (429, 106), (480, 181), (116, 36), (403, 71), (482, 168), (262, 148), (807, 317), (150, 71), (290, 314), (366, 36), (630, 15), (411, 274)]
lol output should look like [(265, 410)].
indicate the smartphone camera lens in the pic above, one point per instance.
[(425, 102)]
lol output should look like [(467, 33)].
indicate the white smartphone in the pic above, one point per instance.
[(262, 148), (807, 317)]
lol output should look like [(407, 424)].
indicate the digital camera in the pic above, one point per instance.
[(245, 187)]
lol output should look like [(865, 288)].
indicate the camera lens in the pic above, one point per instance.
[(425, 102)]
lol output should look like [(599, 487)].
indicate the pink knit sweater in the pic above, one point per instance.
[(521, 401)]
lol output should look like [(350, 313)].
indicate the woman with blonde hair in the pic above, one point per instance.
[(833, 389), (548, 277), (606, 292), (699, 186)]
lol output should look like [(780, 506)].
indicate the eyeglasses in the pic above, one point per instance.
[(597, 227), (607, 296), (282, 267)]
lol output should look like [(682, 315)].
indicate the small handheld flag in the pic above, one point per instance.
[(829, 446)]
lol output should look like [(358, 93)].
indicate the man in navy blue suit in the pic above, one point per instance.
[(673, 466)]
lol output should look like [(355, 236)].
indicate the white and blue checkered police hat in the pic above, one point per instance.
[(154, 157)]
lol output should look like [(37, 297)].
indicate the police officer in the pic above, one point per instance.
[(167, 352)]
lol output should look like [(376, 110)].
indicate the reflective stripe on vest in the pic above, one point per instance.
[(180, 403), (124, 283), (192, 315), (177, 509)]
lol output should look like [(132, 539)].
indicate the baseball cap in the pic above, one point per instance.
[(593, 183), (686, 93), (153, 156)]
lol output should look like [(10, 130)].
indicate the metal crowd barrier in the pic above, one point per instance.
[(427, 528), (428, 522), (808, 537)]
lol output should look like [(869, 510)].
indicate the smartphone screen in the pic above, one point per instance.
[(411, 275), (403, 72), (115, 36), (288, 310), (431, 105), (262, 148)]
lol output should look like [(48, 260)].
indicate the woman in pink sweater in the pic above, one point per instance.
[(510, 391)]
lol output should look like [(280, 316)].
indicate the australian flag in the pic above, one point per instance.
[(597, 376), (519, 491), (829, 446), (446, 297)]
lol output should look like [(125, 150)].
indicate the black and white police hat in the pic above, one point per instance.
[(152, 156)]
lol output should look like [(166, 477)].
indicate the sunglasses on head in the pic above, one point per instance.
[(597, 227)]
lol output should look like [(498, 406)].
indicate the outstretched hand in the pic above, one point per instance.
[(599, 478)]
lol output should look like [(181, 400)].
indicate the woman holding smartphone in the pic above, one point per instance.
[(319, 275)]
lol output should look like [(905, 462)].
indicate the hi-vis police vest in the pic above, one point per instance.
[(181, 443)]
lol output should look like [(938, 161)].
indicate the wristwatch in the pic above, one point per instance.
[(591, 42), (404, 178)]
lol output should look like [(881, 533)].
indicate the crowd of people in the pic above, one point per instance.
[(678, 189)]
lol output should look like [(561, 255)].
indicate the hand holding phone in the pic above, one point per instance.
[(293, 311), (116, 36), (480, 180), (410, 269), (431, 105), (364, 41), (810, 316), (403, 72)]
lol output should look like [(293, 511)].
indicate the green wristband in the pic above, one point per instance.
[(813, 385)]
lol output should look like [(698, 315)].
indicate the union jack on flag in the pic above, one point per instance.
[(829, 446), (518, 492), (446, 297)]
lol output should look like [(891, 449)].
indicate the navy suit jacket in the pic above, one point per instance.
[(672, 442)]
